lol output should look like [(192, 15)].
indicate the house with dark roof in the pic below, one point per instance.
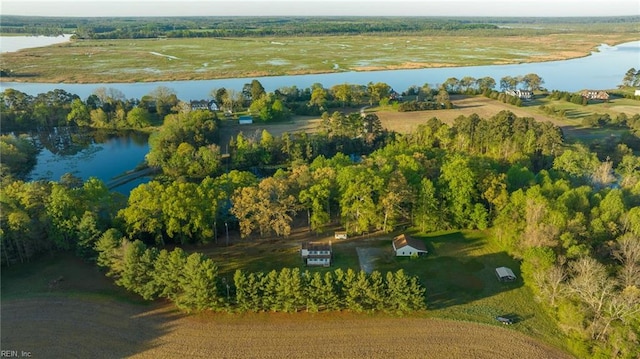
[(204, 105), (316, 253), (405, 246)]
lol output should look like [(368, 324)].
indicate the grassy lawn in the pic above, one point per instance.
[(264, 255), (60, 274), (572, 121), (458, 274), (573, 111), (140, 60)]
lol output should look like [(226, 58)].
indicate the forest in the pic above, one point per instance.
[(569, 212), (194, 27)]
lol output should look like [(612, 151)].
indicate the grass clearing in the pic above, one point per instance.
[(59, 274), (572, 126), (142, 60), (407, 122), (458, 274)]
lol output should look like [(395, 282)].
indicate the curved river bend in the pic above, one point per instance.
[(603, 69), (110, 157)]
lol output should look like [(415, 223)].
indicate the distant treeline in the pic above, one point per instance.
[(151, 27)]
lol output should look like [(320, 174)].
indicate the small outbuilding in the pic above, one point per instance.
[(340, 235), (405, 246), (505, 274)]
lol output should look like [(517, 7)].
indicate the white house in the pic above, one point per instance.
[(505, 274), (405, 246), (522, 94), (316, 254)]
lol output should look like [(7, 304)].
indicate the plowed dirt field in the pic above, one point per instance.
[(63, 327)]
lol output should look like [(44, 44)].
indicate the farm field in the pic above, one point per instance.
[(406, 122), (142, 60), (58, 327), (38, 314)]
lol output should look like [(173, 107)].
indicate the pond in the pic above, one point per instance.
[(87, 154)]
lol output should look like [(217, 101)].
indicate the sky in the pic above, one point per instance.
[(93, 8)]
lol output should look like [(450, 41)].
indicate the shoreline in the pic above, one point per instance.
[(249, 75), (168, 76)]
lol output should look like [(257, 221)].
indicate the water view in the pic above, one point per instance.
[(109, 157), (16, 43), (89, 154), (603, 69)]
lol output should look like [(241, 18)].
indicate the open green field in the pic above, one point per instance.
[(140, 60), (406, 122), (574, 113)]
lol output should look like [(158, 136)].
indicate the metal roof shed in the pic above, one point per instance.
[(505, 274)]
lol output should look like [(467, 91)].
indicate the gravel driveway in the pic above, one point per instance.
[(367, 256)]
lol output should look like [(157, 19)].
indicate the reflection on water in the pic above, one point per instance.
[(87, 153)]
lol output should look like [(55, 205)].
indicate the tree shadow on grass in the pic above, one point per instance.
[(62, 307), (75, 327), (456, 271)]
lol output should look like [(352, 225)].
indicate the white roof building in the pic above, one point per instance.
[(505, 274)]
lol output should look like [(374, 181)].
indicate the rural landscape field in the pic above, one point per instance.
[(216, 253)]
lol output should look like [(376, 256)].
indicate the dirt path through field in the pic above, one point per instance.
[(62, 327)]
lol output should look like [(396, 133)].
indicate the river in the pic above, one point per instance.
[(110, 156), (603, 69), (15, 43)]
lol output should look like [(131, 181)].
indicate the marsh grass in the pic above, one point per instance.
[(141, 60)]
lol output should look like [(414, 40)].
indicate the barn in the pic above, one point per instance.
[(405, 246)]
